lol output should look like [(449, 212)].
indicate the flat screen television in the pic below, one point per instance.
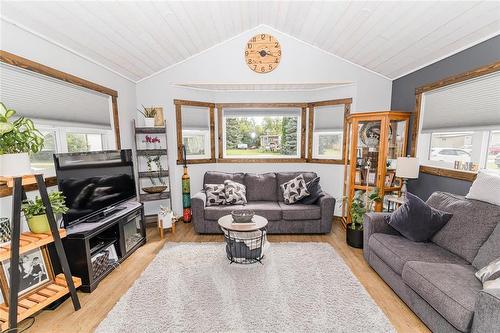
[(94, 183)]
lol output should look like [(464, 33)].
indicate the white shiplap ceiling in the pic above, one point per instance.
[(138, 39)]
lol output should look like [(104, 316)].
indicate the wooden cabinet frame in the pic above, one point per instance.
[(432, 170), (178, 114), (220, 115), (14, 60), (310, 141)]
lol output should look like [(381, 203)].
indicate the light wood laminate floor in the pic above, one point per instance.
[(96, 305)]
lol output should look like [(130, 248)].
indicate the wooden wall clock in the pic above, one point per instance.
[(263, 53)]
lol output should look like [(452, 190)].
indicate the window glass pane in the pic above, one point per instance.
[(81, 142), (493, 159), (329, 145), (43, 161), (262, 137), (449, 147), (196, 143)]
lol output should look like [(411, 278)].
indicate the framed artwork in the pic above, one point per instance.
[(371, 177), (396, 182), (35, 271), (389, 178), (357, 177)]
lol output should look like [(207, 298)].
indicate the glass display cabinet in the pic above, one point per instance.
[(375, 141)]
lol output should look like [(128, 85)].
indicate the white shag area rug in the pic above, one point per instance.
[(192, 287)]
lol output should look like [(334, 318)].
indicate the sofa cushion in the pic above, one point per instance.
[(261, 186), (300, 211), (283, 177), (215, 194), (489, 251), (216, 177), (268, 209), (396, 251), (315, 192), (450, 289), (472, 221)]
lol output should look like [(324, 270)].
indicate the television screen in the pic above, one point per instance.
[(94, 182)]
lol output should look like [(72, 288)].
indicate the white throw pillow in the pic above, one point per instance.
[(490, 275), (236, 193), (485, 188), (216, 194)]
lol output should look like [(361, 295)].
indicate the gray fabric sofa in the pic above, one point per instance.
[(436, 279), (264, 196)]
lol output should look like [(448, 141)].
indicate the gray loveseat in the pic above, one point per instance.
[(436, 279), (264, 196)]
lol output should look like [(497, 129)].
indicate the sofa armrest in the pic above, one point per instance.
[(375, 223), (327, 205), (487, 311), (198, 203)]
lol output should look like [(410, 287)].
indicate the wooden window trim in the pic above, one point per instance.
[(15, 60), (303, 130), (178, 115), (437, 171), (310, 140)]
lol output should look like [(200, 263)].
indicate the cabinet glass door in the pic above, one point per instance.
[(396, 147), (132, 232), (367, 153)]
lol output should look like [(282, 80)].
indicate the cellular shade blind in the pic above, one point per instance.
[(329, 118), (271, 112), (472, 105), (41, 97), (195, 118)]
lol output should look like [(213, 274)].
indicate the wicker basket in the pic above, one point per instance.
[(100, 264)]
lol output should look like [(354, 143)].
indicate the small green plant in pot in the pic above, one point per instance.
[(18, 139), (35, 213), (149, 116), (359, 206)]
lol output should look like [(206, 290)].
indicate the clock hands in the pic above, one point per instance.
[(263, 53)]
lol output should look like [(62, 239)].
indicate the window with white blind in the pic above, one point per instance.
[(460, 125)]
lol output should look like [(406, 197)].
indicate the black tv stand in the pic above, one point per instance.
[(94, 248)]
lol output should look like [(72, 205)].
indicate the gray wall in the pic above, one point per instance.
[(403, 98)]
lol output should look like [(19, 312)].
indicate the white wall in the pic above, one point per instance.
[(25, 44), (225, 63)]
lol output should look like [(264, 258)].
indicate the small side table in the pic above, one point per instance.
[(244, 241), (393, 202), (161, 228)]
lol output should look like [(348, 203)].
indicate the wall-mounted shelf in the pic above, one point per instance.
[(155, 196), (150, 130), (148, 174), (151, 152)]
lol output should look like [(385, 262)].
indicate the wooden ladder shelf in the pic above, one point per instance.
[(20, 308)]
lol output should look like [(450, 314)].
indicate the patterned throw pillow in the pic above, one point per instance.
[(294, 190), (215, 194), (236, 193)]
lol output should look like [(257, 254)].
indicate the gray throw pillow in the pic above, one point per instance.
[(236, 193), (416, 220), (294, 190), (215, 194), (315, 192)]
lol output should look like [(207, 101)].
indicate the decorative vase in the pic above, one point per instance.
[(5, 230), (354, 237), (39, 224), (149, 122), (12, 165)]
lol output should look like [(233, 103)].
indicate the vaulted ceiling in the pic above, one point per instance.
[(137, 39)]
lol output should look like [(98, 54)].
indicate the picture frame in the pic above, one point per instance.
[(35, 272), (357, 177), (396, 182), (371, 177), (389, 178)]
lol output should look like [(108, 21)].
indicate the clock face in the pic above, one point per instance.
[(263, 53)]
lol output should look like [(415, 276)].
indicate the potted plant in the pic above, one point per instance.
[(19, 138), (35, 214), (149, 116), (359, 206)]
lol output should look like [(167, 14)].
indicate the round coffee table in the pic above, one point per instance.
[(244, 241)]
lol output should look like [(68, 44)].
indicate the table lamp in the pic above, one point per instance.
[(406, 168)]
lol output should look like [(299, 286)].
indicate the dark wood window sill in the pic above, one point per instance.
[(450, 173)]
